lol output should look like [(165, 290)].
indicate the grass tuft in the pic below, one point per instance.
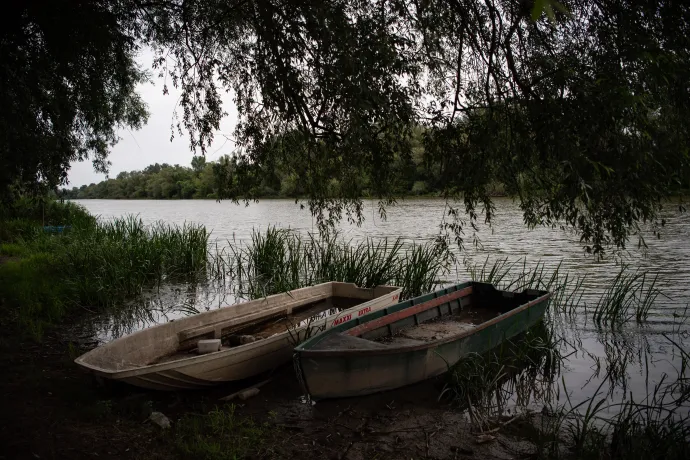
[(520, 371), (218, 435)]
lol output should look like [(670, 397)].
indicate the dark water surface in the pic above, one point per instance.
[(638, 355)]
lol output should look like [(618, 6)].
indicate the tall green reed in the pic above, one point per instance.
[(95, 264), (656, 427), (566, 289), (630, 295), (279, 260), (110, 261)]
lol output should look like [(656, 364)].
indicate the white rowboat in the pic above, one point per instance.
[(165, 357)]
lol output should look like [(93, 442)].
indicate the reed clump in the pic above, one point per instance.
[(91, 264), (655, 427), (629, 296), (566, 289), (525, 371), (119, 259), (513, 375), (279, 260)]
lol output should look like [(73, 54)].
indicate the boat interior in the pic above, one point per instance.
[(430, 319), (264, 328)]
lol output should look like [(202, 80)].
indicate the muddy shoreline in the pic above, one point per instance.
[(52, 409)]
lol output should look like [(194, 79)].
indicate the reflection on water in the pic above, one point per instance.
[(166, 303), (630, 359)]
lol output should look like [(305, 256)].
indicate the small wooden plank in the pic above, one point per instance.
[(216, 327), (234, 395)]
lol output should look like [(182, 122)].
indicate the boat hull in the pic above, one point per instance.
[(347, 373), (229, 364)]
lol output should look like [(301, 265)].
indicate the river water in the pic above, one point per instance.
[(643, 350)]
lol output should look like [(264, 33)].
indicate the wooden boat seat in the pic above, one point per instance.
[(216, 328)]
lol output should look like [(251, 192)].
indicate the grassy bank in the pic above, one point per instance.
[(47, 275)]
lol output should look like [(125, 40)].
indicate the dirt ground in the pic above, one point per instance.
[(53, 410)]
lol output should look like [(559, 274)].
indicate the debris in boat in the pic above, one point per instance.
[(238, 394), (208, 346), (484, 438), (241, 339), (437, 329), (160, 419)]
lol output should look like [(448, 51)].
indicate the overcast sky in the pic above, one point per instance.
[(151, 144)]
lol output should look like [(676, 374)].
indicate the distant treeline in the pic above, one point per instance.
[(163, 181), (157, 181)]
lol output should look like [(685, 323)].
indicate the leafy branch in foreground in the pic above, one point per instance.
[(581, 112)]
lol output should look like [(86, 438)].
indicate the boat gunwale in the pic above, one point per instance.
[(412, 310), (335, 352), (177, 364)]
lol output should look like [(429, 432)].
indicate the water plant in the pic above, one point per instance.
[(602, 426), (567, 290), (656, 426), (516, 375), (279, 260), (630, 295)]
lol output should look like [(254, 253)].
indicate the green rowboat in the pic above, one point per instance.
[(413, 340)]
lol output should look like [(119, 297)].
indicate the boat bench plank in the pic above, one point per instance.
[(217, 327)]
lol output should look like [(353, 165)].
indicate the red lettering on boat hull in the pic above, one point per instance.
[(342, 319)]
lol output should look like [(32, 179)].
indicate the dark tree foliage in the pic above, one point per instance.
[(339, 76), (582, 118), (581, 113), (578, 107), (67, 82)]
